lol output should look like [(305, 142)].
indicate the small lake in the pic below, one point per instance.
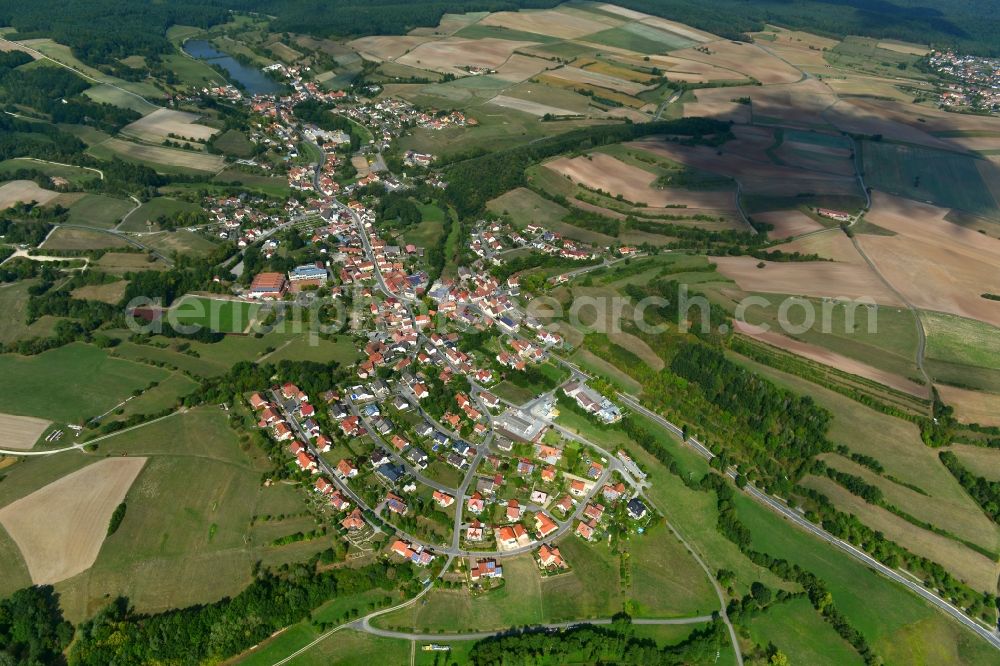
[(253, 80)]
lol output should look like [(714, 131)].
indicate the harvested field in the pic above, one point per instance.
[(166, 122), (553, 23), (387, 47), (833, 245), (863, 117), (106, 293), (454, 53), (719, 110), (75, 511), (118, 263), (757, 177), (972, 406), (679, 29), (749, 60), (788, 223), (937, 265), (801, 49), (534, 108), (820, 278), (602, 171), (683, 69), (521, 67), (801, 103), (20, 432), (834, 360), (65, 238), (903, 47), (24, 191), (577, 75), (975, 569), (187, 159)]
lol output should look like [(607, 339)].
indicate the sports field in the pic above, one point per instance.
[(224, 316)]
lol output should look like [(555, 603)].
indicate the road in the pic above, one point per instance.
[(779, 506), (364, 624)]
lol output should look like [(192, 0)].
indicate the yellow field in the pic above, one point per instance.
[(20, 432), (60, 528)]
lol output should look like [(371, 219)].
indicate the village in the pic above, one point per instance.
[(973, 81), (419, 456)]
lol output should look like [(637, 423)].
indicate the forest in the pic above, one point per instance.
[(100, 32)]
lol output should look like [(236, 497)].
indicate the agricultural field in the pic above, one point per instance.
[(167, 160), (924, 174), (234, 142), (167, 123), (75, 238), (99, 211), (21, 432), (111, 292), (14, 304), (144, 217), (76, 510), (70, 383), (937, 265), (73, 174), (24, 191)]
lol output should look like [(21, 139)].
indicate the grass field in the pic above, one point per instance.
[(802, 635), (639, 38), (98, 210), (150, 210), (963, 352), (896, 444), (65, 238), (111, 292), (519, 602), (234, 142), (118, 263), (216, 315), (75, 175), (925, 174), (309, 348), (186, 537), (70, 383), (525, 207), (182, 242), (14, 305), (900, 627), (165, 160)]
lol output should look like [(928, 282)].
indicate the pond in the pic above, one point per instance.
[(253, 80)]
